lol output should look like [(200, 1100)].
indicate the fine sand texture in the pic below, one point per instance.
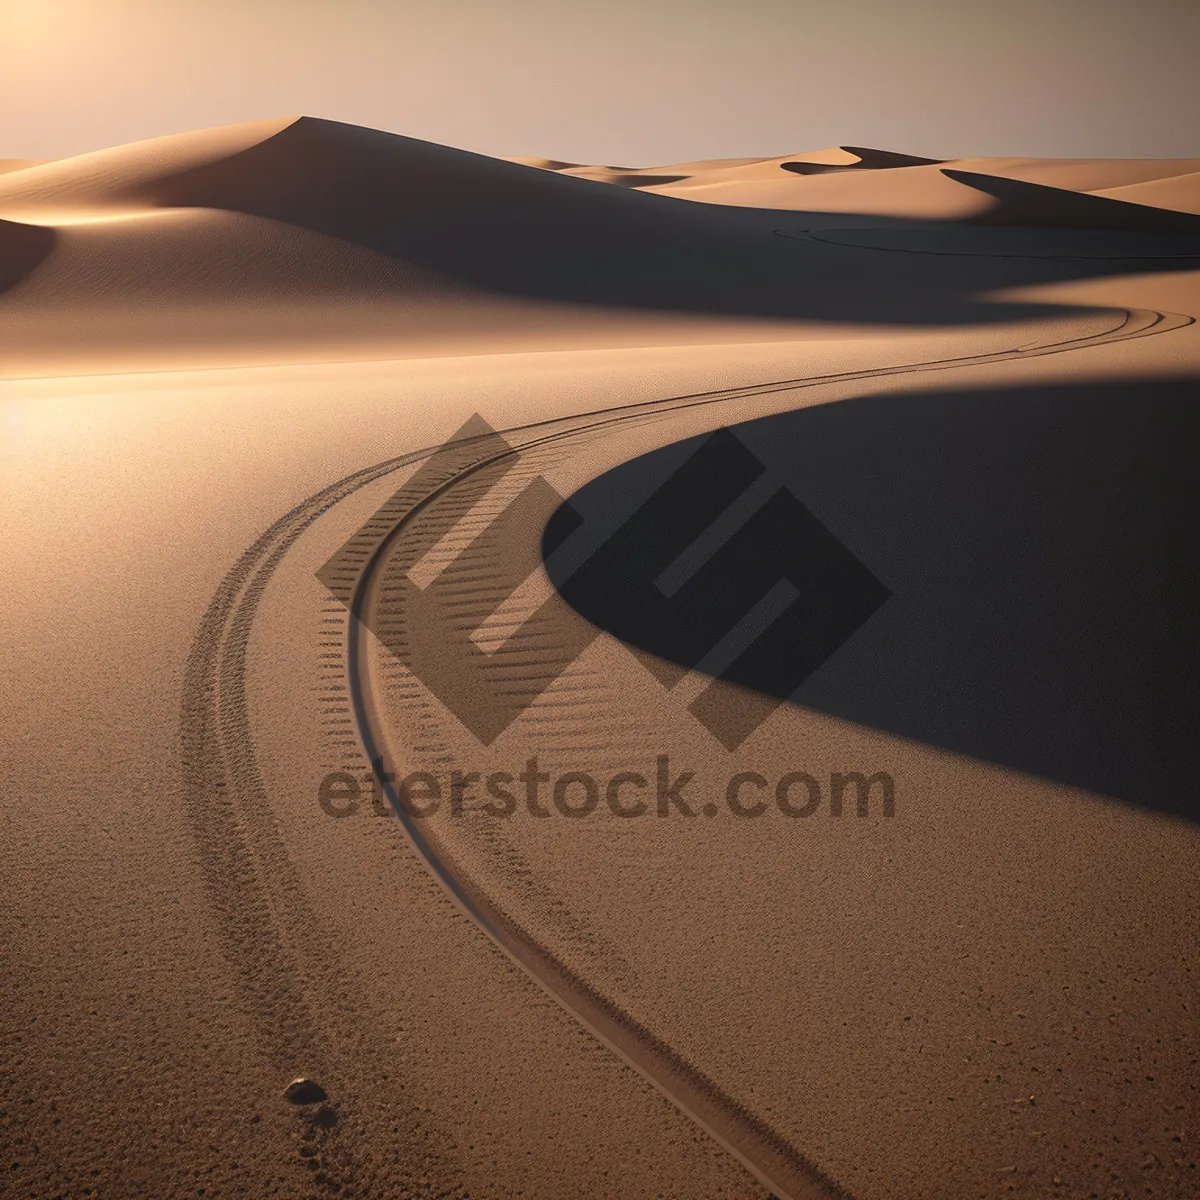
[(669, 681)]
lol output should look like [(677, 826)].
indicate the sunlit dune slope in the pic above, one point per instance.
[(123, 178), (919, 192), (489, 223), (1078, 174), (745, 171)]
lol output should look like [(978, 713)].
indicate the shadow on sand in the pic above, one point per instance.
[(513, 229), (1039, 547), (22, 249)]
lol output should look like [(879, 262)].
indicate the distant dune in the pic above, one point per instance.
[(760, 182), (258, 242), (844, 180), (1035, 204), (1078, 174), (1178, 192)]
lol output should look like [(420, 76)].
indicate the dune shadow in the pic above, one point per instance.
[(516, 230), (22, 249), (1036, 204), (868, 160), (633, 180), (813, 168), (1024, 563)]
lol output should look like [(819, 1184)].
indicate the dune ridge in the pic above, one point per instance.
[(18, 164), (1180, 193), (123, 177), (761, 182)]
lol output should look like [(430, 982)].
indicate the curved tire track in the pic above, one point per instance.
[(263, 920), (253, 889)]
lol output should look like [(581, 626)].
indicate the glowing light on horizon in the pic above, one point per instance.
[(67, 219)]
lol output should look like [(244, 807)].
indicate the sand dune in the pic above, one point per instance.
[(1078, 175), (914, 192), (271, 235), (122, 178), (761, 182), (837, 158), (1178, 192), (262, 242), (1023, 203), (917, 191), (863, 159), (493, 223)]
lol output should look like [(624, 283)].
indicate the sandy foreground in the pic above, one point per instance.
[(288, 416)]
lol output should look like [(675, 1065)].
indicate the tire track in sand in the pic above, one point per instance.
[(264, 924), (255, 895)]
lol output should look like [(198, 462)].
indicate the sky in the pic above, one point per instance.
[(624, 82)]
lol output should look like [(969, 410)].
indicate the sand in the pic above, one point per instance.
[(1178, 192), (228, 360)]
